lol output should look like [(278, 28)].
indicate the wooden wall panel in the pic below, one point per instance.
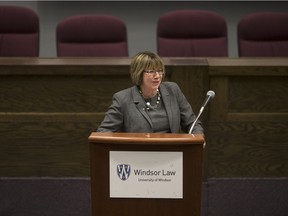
[(248, 120), (258, 94), (45, 148), (49, 107), (58, 93), (47, 111)]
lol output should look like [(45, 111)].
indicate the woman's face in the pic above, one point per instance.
[(152, 79)]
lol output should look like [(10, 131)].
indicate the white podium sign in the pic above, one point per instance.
[(138, 174)]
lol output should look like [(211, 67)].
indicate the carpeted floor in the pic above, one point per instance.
[(71, 197)]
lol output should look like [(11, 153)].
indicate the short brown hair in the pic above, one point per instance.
[(144, 61)]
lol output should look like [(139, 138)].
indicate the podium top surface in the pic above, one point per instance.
[(146, 138)]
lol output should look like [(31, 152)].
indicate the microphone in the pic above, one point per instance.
[(210, 95)]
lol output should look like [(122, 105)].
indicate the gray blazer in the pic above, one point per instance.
[(127, 112)]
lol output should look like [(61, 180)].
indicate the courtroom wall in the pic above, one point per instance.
[(140, 17)]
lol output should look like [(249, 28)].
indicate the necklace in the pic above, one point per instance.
[(148, 105)]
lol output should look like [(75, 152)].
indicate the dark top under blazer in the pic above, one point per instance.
[(127, 112)]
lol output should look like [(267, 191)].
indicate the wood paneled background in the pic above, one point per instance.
[(49, 107)]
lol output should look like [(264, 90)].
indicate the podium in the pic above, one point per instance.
[(101, 144)]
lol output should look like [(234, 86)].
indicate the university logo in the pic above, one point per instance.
[(123, 171)]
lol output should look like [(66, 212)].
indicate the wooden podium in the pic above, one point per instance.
[(191, 146)]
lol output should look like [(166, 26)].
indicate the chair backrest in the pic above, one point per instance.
[(263, 34), (185, 33), (91, 35), (19, 32)]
